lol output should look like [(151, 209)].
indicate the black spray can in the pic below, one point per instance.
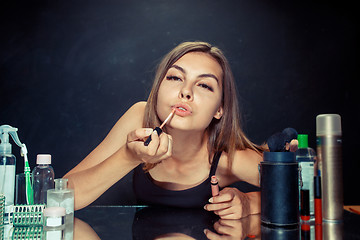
[(279, 174)]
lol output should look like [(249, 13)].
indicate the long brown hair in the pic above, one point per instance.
[(225, 134)]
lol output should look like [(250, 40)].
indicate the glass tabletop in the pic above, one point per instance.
[(142, 222)]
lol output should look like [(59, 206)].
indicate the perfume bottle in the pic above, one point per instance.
[(62, 196)]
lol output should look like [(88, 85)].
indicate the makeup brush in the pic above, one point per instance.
[(159, 129)]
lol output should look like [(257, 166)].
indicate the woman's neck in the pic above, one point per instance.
[(189, 146)]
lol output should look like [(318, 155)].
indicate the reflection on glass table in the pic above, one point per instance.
[(136, 222), (160, 223)]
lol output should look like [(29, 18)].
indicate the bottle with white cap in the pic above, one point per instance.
[(43, 178)]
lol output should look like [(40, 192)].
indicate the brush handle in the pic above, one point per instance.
[(158, 131), (28, 185)]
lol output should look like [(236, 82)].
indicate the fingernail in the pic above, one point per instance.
[(205, 207), (211, 200), (205, 231)]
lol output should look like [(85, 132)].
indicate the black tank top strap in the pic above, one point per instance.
[(214, 163)]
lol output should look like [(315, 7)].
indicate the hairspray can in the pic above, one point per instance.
[(328, 133)]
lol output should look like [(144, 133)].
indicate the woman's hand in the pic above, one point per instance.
[(160, 147), (230, 204)]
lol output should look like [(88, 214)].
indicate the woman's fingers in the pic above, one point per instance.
[(157, 150)]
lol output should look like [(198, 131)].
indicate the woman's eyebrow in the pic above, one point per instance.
[(205, 75), (178, 68)]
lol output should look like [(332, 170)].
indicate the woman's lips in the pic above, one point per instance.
[(182, 109)]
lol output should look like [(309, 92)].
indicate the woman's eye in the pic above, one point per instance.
[(203, 85), (173, 78)]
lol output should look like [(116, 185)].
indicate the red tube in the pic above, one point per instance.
[(317, 199), (318, 211), (305, 205)]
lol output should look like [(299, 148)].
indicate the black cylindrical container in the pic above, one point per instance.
[(279, 174)]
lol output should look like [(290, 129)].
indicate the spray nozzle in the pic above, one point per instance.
[(5, 146), (5, 130)]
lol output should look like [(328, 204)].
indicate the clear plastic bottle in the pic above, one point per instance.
[(7, 181), (7, 170), (43, 178), (61, 196), (306, 157)]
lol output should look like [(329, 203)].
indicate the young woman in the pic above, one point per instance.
[(202, 138)]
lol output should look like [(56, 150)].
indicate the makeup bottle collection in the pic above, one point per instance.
[(326, 188), (33, 202), (304, 187)]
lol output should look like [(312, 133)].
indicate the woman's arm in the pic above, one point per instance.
[(246, 168), (109, 161)]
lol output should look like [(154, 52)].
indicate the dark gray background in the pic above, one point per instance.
[(70, 69)]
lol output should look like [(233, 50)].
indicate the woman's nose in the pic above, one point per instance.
[(186, 93)]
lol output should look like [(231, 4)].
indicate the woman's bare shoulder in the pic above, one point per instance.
[(130, 120), (247, 155), (136, 109)]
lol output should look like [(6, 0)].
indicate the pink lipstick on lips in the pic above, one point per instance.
[(182, 109)]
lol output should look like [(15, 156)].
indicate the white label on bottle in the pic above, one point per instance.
[(307, 176), (53, 221), (7, 183)]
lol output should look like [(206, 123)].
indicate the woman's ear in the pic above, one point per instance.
[(219, 113)]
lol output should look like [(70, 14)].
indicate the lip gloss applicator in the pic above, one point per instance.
[(159, 129)]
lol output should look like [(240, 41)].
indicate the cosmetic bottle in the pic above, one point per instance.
[(61, 196), (7, 170), (42, 178), (329, 150), (306, 157)]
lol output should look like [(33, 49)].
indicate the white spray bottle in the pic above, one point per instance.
[(8, 167)]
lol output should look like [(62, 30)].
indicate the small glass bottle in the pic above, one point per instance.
[(61, 196), (43, 178)]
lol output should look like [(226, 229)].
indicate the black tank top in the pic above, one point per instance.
[(148, 193)]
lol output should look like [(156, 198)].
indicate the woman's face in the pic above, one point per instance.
[(193, 86)]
